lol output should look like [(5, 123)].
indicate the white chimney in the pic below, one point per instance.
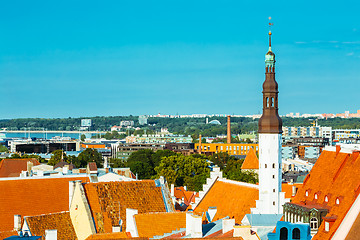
[(65, 169), (51, 234), (293, 191), (116, 229), (130, 222), (228, 225), (210, 214), (17, 222), (172, 190), (162, 180), (193, 225), (29, 166)]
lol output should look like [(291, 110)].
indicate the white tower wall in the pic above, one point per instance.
[(271, 198)]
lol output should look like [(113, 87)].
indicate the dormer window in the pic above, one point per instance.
[(316, 196), (326, 199), (307, 193), (337, 201)]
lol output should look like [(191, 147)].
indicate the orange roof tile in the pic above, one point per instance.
[(160, 223), (288, 189), (251, 161), (110, 236), (59, 221), (232, 199), (29, 197), (13, 167), (8, 234), (335, 175), (104, 200), (188, 196)]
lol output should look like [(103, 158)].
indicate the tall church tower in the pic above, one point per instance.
[(271, 198)]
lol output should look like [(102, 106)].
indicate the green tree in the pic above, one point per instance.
[(141, 163), (82, 138), (180, 170), (221, 159), (233, 171), (3, 148), (56, 157), (117, 163), (89, 155)]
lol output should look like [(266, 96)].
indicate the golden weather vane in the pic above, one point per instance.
[(270, 24)]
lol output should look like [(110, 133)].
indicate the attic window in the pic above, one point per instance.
[(337, 201), (307, 193), (326, 199), (316, 196), (327, 226)]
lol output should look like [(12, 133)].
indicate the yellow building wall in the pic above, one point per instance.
[(80, 214), (230, 148)]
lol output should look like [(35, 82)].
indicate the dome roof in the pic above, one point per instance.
[(216, 122)]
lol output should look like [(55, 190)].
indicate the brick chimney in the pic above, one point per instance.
[(228, 130)]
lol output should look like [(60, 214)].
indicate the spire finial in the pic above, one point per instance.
[(270, 24)]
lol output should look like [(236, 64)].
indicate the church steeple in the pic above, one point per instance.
[(270, 122)]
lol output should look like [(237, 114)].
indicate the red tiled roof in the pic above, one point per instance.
[(160, 223), (13, 167), (8, 234), (337, 176), (231, 198), (251, 161), (188, 196), (92, 166), (104, 200), (28, 197), (288, 189), (59, 221), (111, 236)]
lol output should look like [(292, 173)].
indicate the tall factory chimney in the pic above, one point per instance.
[(228, 130)]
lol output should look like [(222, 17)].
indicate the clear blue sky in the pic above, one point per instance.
[(100, 58)]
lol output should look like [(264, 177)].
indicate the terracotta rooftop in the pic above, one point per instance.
[(106, 197), (160, 223), (288, 189), (335, 176), (109, 236), (251, 161), (92, 166), (232, 199), (7, 234), (43, 196), (13, 167), (62, 164), (59, 221), (188, 196)]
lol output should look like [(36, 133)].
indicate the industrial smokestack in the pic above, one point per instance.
[(200, 143), (228, 130)]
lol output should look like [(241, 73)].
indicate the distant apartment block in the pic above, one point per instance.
[(168, 138), (123, 151), (230, 148), (126, 123)]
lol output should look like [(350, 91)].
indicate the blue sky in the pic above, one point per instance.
[(101, 58)]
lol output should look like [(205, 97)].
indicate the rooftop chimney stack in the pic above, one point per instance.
[(17, 222), (228, 130), (51, 234)]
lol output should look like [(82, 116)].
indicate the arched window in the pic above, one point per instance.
[(267, 102), (273, 165), (284, 233), (271, 102), (296, 233), (313, 223)]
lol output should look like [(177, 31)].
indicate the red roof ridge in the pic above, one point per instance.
[(46, 214)]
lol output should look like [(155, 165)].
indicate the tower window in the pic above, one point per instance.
[(273, 165), (274, 190), (274, 203), (265, 165), (267, 102), (271, 102), (273, 176)]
